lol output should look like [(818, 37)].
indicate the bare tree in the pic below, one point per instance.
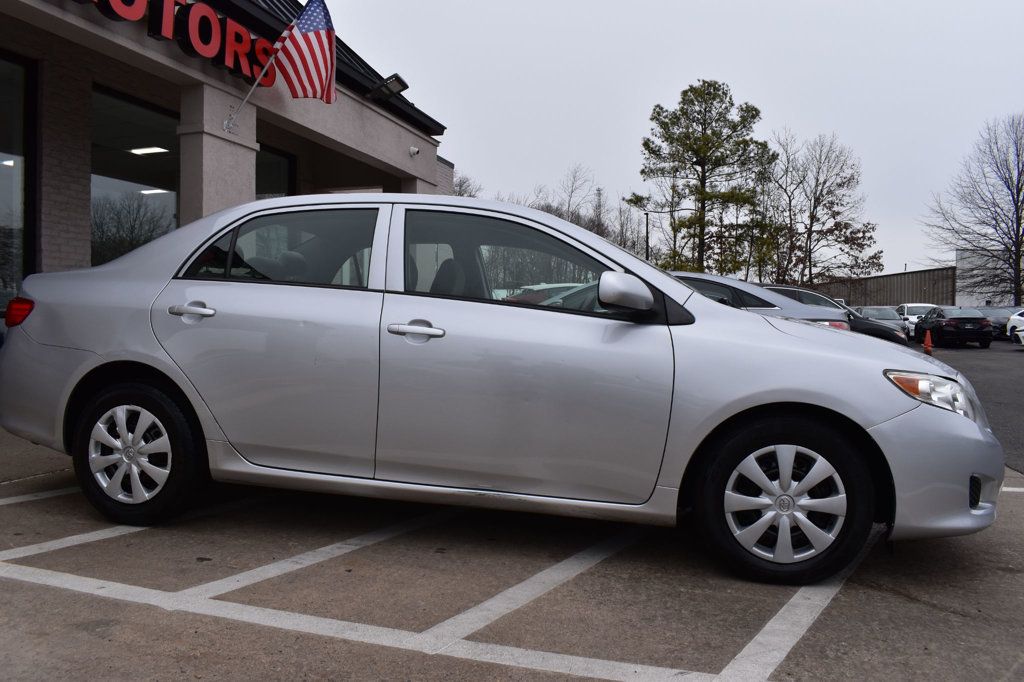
[(982, 212), (575, 190), (626, 229), (782, 202), (465, 186), (124, 223)]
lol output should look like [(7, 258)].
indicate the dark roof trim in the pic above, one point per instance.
[(268, 18), (441, 159)]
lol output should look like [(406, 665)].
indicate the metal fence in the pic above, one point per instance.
[(937, 286)]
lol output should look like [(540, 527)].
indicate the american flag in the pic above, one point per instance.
[(305, 53)]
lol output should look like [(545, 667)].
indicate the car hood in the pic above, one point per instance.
[(888, 355)]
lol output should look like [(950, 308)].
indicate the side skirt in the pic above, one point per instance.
[(228, 466)]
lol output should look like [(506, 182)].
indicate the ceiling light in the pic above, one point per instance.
[(142, 151), (152, 191), (9, 163)]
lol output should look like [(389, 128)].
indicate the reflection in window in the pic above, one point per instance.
[(134, 176), (12, 179), (477, 257), (330, 247)]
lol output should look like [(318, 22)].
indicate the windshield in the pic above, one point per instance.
[(965, 312), (918, 309), (880, 313)]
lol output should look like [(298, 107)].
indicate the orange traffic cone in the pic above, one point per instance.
[(927, 345)]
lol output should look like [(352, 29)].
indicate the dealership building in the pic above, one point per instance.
[(112, 125)]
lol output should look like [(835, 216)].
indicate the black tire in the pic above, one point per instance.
[(984, 344), (187, 464), (1013, 335), (847, 462)]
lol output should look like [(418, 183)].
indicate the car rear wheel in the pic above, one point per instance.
[(787, 500), (984, 344), (136, 456)]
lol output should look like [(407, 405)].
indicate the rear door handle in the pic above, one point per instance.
[(403, 329), (191, 309)]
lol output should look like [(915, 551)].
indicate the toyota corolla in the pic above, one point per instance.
[(367, 345)]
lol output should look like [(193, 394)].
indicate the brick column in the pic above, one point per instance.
[(218, 169), (65, 165)]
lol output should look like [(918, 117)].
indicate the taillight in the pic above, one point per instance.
[(950, 323), (835, 324), (985, 323), (18, 310)]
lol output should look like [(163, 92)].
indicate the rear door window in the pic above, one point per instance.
[(325, 248)]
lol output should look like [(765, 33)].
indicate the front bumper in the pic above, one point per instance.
[(932, 477)]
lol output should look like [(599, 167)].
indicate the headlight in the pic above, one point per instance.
[(934, 390)]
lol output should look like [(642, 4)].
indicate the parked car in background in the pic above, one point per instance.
[(952, 326), (1014, 324), (912, 312), (357, 360), (806, 296), (998, 316), (746, 296), (857, 322), (885, 315)]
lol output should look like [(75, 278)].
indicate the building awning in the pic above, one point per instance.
[(268, 18)]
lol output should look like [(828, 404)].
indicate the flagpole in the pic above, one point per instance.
[(229, 122)]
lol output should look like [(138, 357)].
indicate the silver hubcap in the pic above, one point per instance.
[(785, 503), (129, 454)]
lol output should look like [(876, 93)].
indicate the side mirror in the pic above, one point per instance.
[(906, 319), (624, 292)]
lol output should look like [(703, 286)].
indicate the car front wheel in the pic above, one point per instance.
[(136, 456), (787, 500)]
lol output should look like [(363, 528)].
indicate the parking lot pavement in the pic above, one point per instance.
[(997, 373), (258, 583)]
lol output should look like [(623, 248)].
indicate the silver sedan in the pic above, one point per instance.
[(368, 345)]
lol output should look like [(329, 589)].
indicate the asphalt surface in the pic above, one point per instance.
[(997, 374), (263, 584)]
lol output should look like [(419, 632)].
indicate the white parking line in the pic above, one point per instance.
[(1012, 490), (278, 568), (70, 541), (37, 496), (565, 664), (460, 626), (345, 630), (763, 654)]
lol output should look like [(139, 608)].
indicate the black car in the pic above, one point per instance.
[(858, 322), (884, 315), (998, 316), (954, 326)]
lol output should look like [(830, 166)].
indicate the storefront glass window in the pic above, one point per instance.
[(12, 178), (274, 173), (134, 175)]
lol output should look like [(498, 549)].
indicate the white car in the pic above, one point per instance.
[(1014, 325), (912, 313)]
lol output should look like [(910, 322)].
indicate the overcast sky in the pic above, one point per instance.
[(528, 88)]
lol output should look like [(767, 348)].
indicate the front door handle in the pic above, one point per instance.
[(403, 329), (192, 309)]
